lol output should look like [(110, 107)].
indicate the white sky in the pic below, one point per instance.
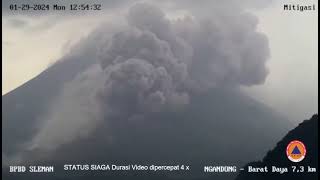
[(29, 50), (291, 87)]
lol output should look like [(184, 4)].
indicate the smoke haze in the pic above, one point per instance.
[(153, 63)]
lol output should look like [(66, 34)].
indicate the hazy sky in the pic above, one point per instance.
[(32, 43), (292, 85)]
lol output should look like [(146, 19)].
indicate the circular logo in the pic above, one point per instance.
[(296, 151)]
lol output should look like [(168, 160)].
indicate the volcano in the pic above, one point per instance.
[(221, 126)]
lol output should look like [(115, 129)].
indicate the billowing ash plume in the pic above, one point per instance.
[(75, 113), (157, 63)]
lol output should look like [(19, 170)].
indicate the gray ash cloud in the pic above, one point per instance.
[(155, 63)]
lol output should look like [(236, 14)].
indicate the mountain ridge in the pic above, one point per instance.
[(306, 132)]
